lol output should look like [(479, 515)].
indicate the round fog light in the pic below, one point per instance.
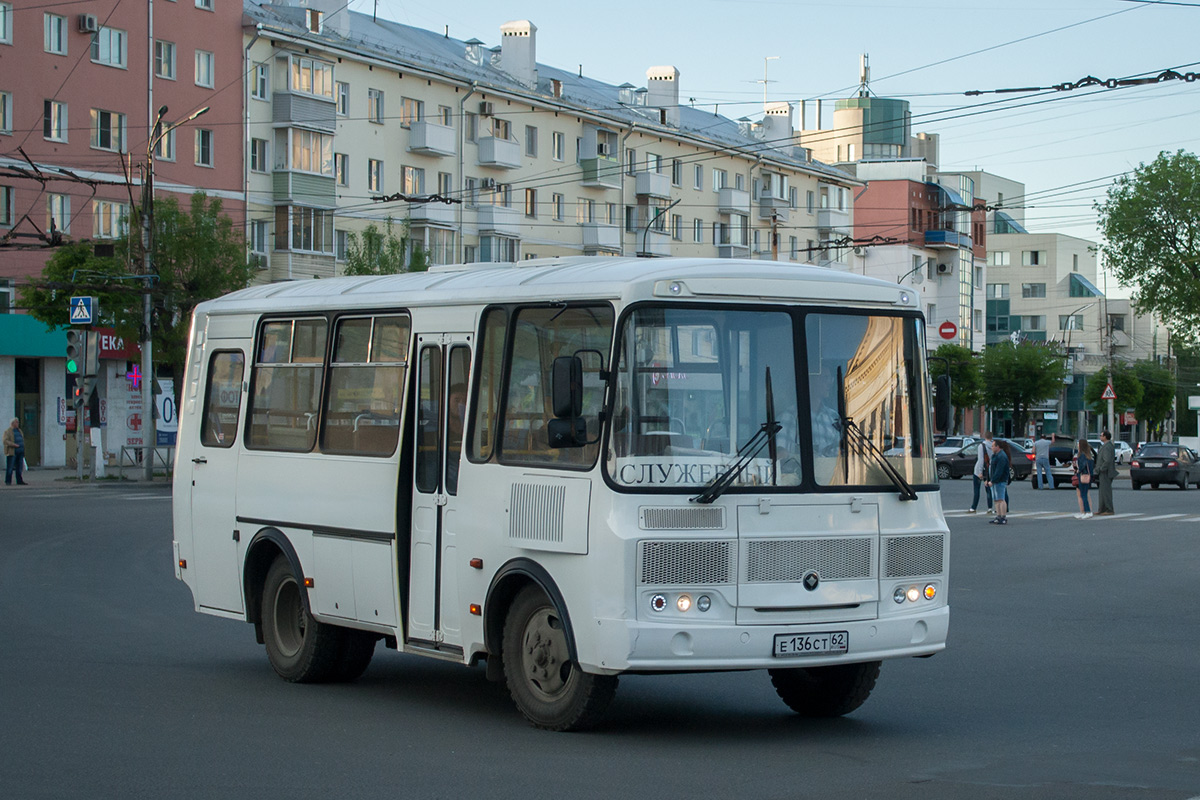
[(703, 602), (683, 602), (898, 595), (930, 592), (658, 602), (913, 594)]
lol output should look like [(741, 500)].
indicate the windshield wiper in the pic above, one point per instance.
[(763, 437), (867, 448)]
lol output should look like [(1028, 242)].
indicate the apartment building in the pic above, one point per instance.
[(81, 85), (352, 120)]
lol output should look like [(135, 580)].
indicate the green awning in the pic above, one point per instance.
[(25, 337)]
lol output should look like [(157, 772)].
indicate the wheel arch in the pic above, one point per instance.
[(265, 546), (508, 581)]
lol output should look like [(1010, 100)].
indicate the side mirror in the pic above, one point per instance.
[(567, 387), (941, 403), (567, 432)]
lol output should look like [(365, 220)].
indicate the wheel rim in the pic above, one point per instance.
[(288, 615), (943, 471), (545, 661)]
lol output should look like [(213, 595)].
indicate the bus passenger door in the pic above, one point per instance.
[(214, 484), (443, 363)]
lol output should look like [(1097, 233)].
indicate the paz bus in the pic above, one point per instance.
[(569, 469)]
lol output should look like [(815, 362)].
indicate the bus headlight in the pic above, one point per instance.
[(683, 602), (899, 595), (913, 594), (703, 602)]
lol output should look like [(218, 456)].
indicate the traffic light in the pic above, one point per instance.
[(76, 351)]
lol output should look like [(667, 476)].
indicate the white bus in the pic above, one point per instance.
[(569, 469)]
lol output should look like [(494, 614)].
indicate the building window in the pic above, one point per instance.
[(698, 178), (258, 236), (445, 184), (375, 106), (6, 205), (557, 145), (720, 177), (6, 23), (204, 69), (260, 89), (557, 201), (54, 120), (58, 213), (471, 192), (311, 152), (313, 20), (374, 175), (1075, 262), (1000, 258), (794, 248), (343, 99), (697, 230), (654, 163), (810, 199), (1033, 258), (1116, 322), (411, 111), (258, 155), (1033, 323), (310, 76), (164, 59), (341, 168), (501, 129), (677, 227), (977, 319), (412, 180), (108, 130), (676, 172), (6, 112), (207, 5), (164, 145), (499, 248), (108, 47), (531, 203), (739, 182), (930, 312), (204, 147), (471, 125), (341, 244), (1070, 322), (446, 116), (585, 211), (1032, 290), (311, 229), (531, 141), (997, 291), (55, 34), (631, 161), (109, 220)]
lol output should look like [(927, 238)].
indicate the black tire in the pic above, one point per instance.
[(825, 691), (1135, 485), (1182, 484), (545, 684), (300, 649), (1154, 485), (943, 472), (358, 648)]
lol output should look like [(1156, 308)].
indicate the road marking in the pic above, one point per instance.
[(1119, 516), (1160, 516)]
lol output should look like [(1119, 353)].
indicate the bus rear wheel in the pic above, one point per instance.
[(300, 649), (549, 689), (825, 691)]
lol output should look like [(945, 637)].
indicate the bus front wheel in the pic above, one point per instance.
[(300, 649), (546, 685), (825, 691)]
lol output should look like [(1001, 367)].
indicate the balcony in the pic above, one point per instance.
[(773, 206), (730, 250), (657, 243), (947, 240), (499, 153), (432, 139), (598, 236), (835, 220), (601, 172), (733, 201), (303, 188), (304, 110), (432, 214), (498, 219), (652, 184)]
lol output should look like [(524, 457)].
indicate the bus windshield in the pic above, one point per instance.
[(692, 389)]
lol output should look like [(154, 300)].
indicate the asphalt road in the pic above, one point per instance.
[(1071, 673)]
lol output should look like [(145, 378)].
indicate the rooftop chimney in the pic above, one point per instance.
[(474, 52), (662, 85), (777, 123), (518, 45)]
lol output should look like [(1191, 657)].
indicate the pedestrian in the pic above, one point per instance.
[(1041, 462), (998, 482), (979, 473), (1106, 472), (1085, 473), (14, 453)]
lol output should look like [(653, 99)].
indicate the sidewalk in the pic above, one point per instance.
[(66, 476)]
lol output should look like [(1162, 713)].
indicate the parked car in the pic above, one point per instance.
[(952, 444), (961, 462), (1124, 452), (1062, 460), (1159, 463)]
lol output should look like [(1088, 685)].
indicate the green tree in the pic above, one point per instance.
[(199, 255), (376, 252), (1126, 387), (1018, 376), (966, 381), (1158, 391), (1150, 222)]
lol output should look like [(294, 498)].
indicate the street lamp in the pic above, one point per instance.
[(157, 134)]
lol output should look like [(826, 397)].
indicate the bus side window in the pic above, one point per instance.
[(429, 419), (485, 426), (362, 407), (222, 399), (458, 366)]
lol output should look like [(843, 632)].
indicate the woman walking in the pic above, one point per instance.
[(1085, 471)]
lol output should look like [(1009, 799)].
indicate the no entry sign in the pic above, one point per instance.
[(948, 330)]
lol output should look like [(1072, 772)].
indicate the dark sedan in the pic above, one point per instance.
[(1157, 464), (962, 462)]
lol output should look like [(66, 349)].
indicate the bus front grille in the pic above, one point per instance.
[(912, 556), (685, 562), (707, 518), (788, 560)]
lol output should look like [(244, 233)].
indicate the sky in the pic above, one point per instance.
[(1065, 146)]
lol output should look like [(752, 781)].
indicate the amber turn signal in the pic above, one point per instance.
[(475, 609)]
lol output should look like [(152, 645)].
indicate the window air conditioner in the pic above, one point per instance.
[(489, 183), (602, 149), (944, 269), (88, 23), (487, 108)]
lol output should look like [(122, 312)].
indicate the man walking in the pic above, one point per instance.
[(1106, 471), (1041, 462), (979, 473), (14, 453), (998, 483)]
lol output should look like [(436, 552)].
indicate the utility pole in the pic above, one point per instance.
[(774, 235)]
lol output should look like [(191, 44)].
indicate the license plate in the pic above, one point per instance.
[(811, 644), (1153, 465)]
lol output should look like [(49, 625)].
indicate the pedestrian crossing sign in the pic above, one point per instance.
[(1109, 394), (83, 310)]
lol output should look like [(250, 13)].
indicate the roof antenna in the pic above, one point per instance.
[(446, 35)]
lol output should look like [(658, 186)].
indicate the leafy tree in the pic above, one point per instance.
[(1125, 383), (1019, 376), (1151, 227), (966, 381), (376, 252), (199, 255), (1158, 390)]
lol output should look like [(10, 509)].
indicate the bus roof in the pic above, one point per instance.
[(574, 278)]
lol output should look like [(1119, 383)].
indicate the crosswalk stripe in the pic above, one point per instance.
[(1162, 516), (1126, 515)]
